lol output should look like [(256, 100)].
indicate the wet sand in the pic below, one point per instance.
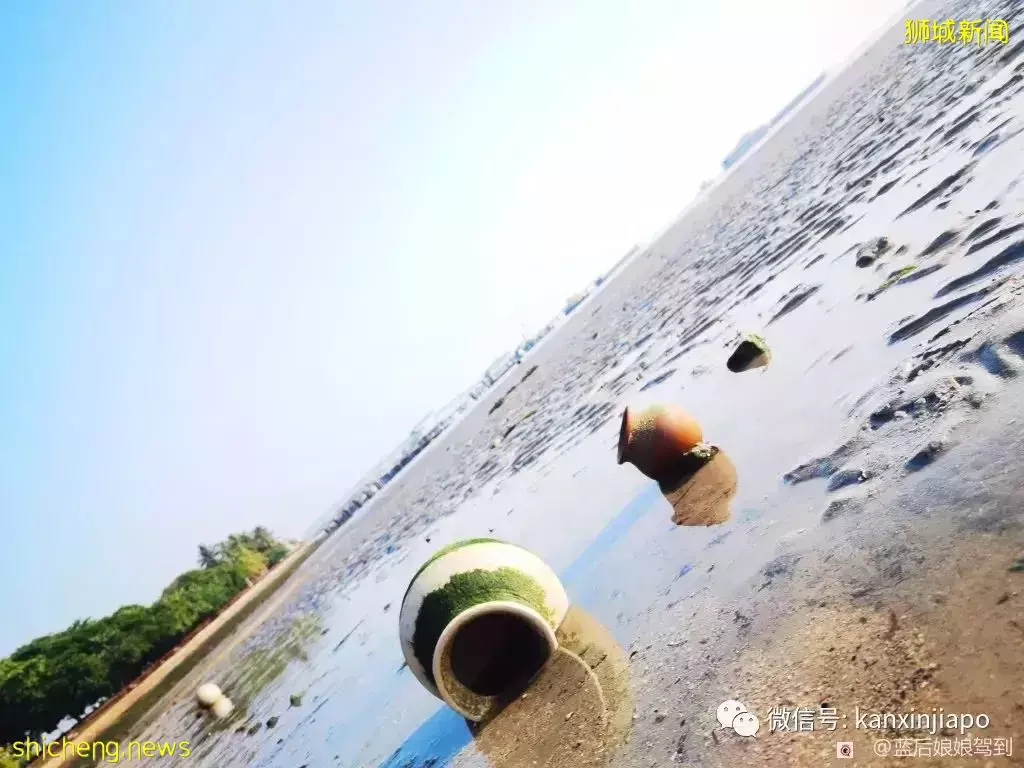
[(906, 603), (875, 241)]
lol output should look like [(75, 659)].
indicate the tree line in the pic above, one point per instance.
[(66, 673)]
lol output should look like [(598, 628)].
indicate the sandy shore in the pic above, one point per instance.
[(875, 240)]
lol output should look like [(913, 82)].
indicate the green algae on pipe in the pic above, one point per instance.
[(451, 548), (463, 591), (490, 611)]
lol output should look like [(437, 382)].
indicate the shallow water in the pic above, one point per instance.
[(557, 489)]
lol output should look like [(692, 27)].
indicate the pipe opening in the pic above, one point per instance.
[(497, 653)]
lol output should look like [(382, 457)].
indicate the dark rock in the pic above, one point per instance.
[(295, 700), (272, 721), (869, 252), (845, 477), (813, 469)]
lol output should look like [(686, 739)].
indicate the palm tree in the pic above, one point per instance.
[(208, 556)]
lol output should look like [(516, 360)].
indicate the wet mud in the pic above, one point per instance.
[(866, 557)]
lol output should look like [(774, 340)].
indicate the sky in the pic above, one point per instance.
[(245, 246)]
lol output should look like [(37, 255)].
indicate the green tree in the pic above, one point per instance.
[(250, 563), (65, 673), (208, 556), (262, 540), (276, 554)]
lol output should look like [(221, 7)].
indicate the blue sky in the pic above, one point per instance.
[(245, 246)]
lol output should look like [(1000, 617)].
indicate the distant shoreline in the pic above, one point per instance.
[(142, 694)]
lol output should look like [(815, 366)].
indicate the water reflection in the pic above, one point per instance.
[(225, 739), (577, 712), (265, 663), (701, 488)]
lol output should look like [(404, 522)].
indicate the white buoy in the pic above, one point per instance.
[(207, 694), (223, 707)]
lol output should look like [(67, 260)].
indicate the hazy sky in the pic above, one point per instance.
[(245, 246)]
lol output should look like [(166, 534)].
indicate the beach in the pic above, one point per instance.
[(875, 241)]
